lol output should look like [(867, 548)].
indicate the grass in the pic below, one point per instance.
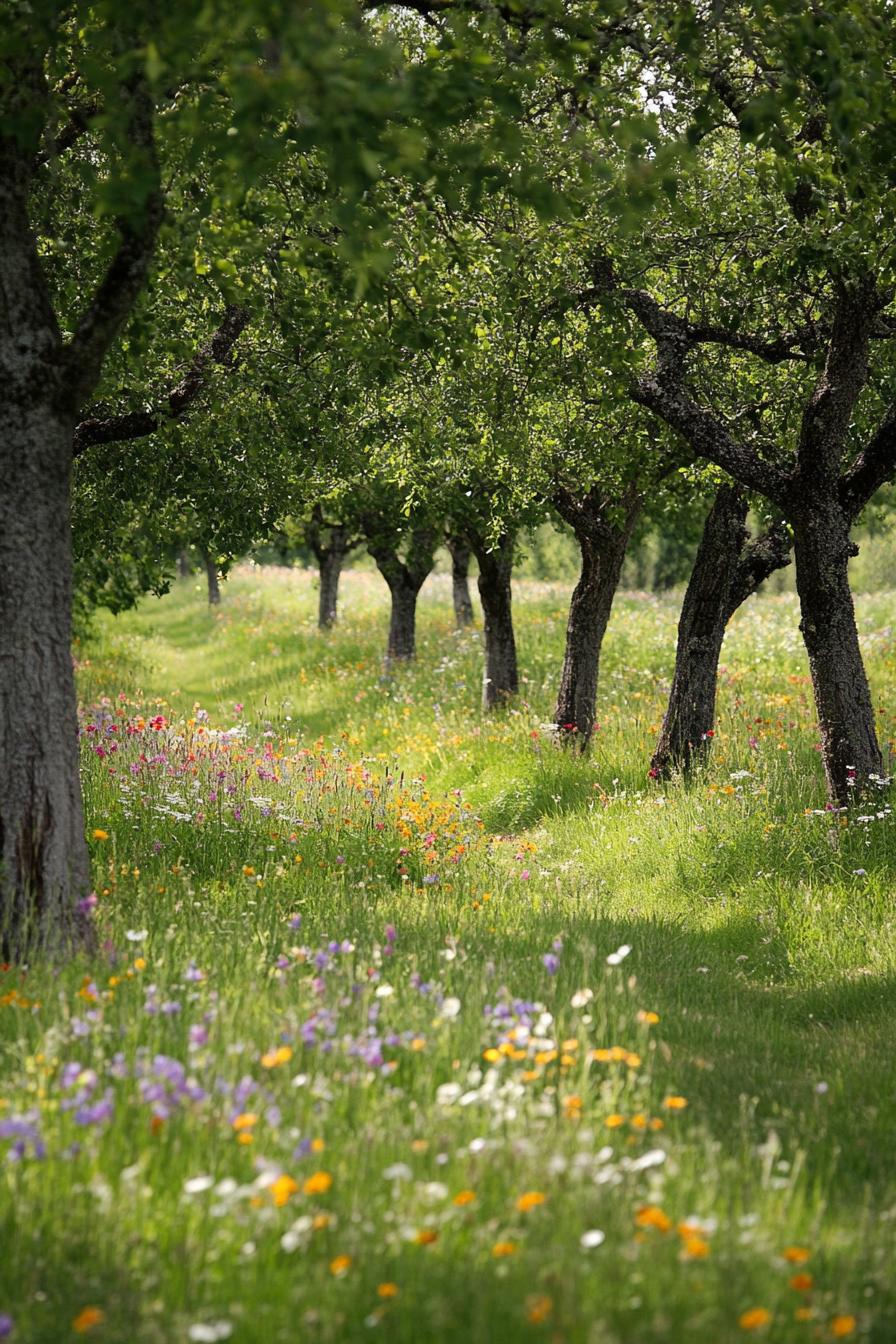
[(307, 1091)]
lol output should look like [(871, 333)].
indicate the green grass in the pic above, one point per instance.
[(762, 934)]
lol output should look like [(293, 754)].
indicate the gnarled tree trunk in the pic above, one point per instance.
[(850, 750), (460, 581), (688, 724), (211, 574), (44, 867), (727, 570), (500, 677), (602, 541)]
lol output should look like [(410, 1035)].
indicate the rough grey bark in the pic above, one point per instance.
[(405, 578), (44, 866), (602, 529), (211, 575), (727, 569), (460, 581), (500, 678), (850, 750)]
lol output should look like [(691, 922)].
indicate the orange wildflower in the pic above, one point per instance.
[(502, 1249), (340, 1265), (754, 1319), (318, 1184), (87, 1319), (464, 1197), (841, 1326), (283, 1189), (530, 1200), (653, 1216)]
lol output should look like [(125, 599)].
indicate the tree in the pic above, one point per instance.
[(240, 86)]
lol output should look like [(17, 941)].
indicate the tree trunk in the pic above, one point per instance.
[(603, 547), (500, 678), (405, 578), (460, 583), (329, 562), (725, 574), (183, 564), (44, 864), (688, 724), (402, 646), (850, 750), (211, 574)]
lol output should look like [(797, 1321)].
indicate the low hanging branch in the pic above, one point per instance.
[(137, 424)]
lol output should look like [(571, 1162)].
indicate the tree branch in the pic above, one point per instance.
[(874, 466), (115, 295), (137, 424)]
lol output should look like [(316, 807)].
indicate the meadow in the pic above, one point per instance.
[(408, 1024)]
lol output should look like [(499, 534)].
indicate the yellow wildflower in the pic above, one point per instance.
[(841, 1326), (318, 1184)]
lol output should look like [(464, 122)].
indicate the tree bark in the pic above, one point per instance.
[(602, 543), (687, 728), (44, 865), (727, 570), (330, 556), (405, 578), (460, 582), (211, 574), (500, 677), (183, 564), (850, 750), (329, 564)]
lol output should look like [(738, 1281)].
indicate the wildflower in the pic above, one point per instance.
[(273, 1058), (594, 1237), (551, 963), (244, 1121), (282, 1190), (801, 1283), (619, 955), (695, 1248), (841, 1326), (754, 1319), (6, 1325), (426, 1236), (530, 1200), (340, 1265), (796, 1255), (100, 835), (648, 1017), (387, 1290), (318, 1184), (675, 1103), (614, 1121), (87, 1319), (538, 1309), (653, 1216), (464, 1197), (502, 1249)]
